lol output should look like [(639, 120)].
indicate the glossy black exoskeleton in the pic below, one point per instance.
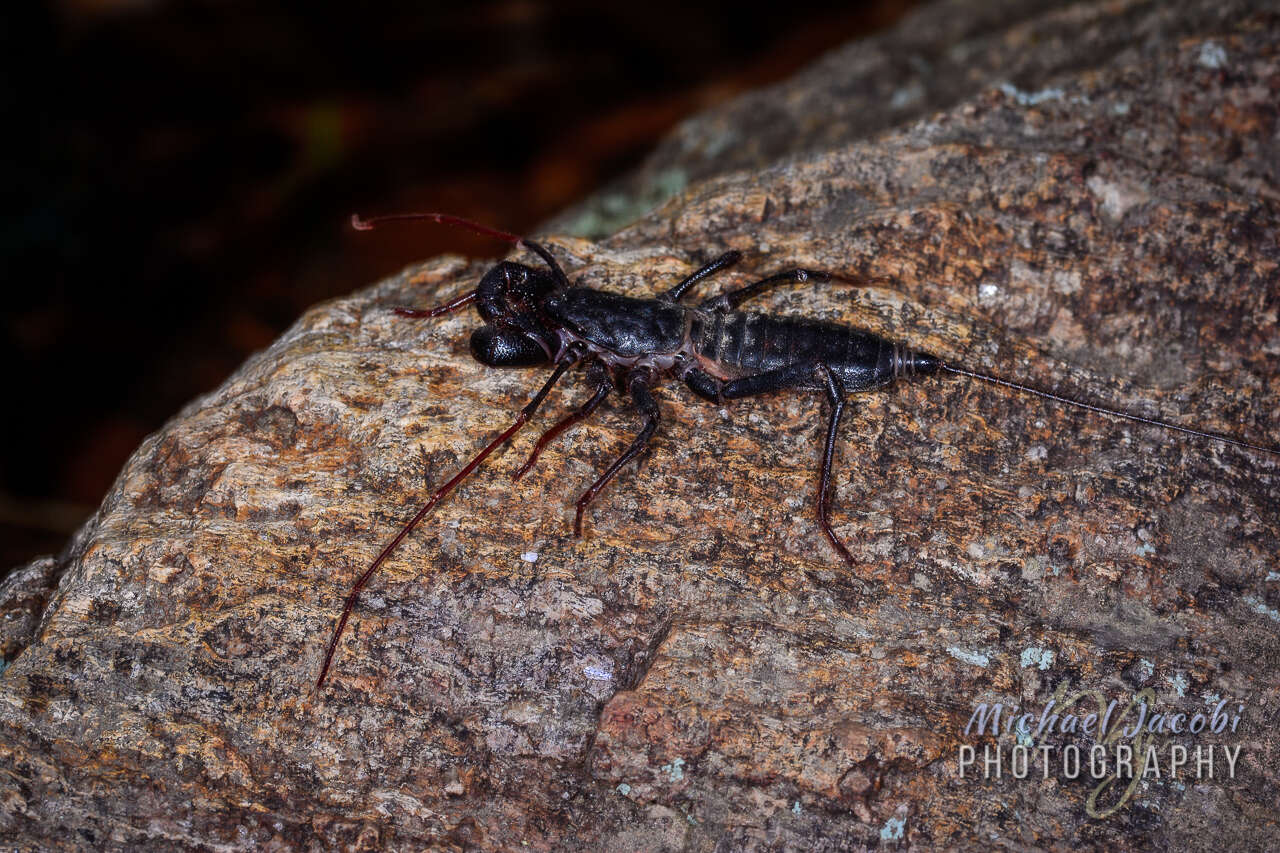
[(535, 316)]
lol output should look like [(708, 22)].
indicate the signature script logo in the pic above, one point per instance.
[(1123, 745)]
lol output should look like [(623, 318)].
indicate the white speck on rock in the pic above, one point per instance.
[(529, 556), (1116, 199), (975, 658), (1030, 99), (907, 95), (1212, 55), (603, 672)]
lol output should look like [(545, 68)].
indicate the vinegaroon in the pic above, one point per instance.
[(535, 316)]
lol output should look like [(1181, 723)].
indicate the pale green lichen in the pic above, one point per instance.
[(1038, 657), (893, 829), (1260, 606), (674, 770), (611, 211), (975, 658)]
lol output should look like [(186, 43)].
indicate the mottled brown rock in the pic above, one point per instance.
[(700, 671)]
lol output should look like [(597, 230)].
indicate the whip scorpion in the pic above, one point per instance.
[(534, 315)]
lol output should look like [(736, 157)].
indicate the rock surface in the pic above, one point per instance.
[(1096, 207)]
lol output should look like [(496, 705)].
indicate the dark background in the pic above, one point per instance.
[(184, 173)]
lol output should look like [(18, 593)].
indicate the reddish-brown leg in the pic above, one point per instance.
[(638, 386), (525, 413), (604, 384), (461, 302)]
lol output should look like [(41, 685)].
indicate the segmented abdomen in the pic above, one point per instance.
[(746, 344)]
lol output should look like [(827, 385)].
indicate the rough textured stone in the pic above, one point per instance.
[(700, 672)]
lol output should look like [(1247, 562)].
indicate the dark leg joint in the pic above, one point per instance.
[(638, 385), (704, 385), (731, 300), (604, 384), (835, 394), (794, 376), (726, 260)]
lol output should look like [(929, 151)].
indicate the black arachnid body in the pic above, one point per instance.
[(535, 316)]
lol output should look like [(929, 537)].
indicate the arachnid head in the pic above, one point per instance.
[(517, 333), (511, 289)]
